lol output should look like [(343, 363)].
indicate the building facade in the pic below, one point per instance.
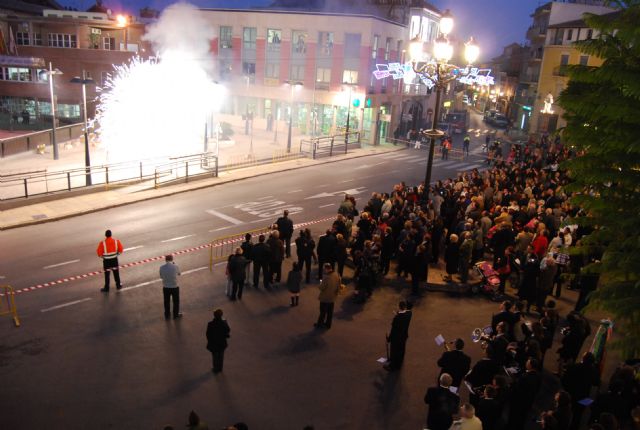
[(528, 95), (76, 43), (329, 58)]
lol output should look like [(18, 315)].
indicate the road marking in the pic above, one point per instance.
[(262, 198), (221, 228), (408, 157), (61, 264), (351, 191), (326, 206), (177, 238), (225, 217), (347, 180), (133, 247), (64, 305), (323, 185), (295, 191), (366, 166), (144, 284), (195, 270)]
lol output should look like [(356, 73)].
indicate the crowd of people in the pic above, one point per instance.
[(517, 215)]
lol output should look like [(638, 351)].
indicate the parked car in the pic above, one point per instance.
[(500, 121), (489, 115)]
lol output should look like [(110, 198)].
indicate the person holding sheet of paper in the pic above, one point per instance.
[(397, 338)]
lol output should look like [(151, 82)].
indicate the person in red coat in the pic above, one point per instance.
[(108, 250)]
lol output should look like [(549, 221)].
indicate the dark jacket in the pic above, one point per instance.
[(247, 247), (294, 279), (483, 372), (285, 227), (217, 333), (442, 405), (400, 327), (327, 247), (489, 411), (236, 267), (277, 249), (452, 257), (261, 253), (303, 248), (456, 363)]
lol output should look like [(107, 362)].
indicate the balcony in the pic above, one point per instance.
[(535, 32)]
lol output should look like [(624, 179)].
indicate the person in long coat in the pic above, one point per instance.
[(452, 256), (530, 274), (294, 279), (218, 332)]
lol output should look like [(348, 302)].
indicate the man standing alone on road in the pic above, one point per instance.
[(285, 227), (217, 334), (465, 145), (329, 288), (108, 250), (397, 338), (169, 273)]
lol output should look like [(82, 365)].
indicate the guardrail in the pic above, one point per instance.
[(36, 183), (9, 295), (222, 247), (329, 145), (30, 141)]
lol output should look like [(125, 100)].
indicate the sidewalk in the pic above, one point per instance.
[(66, 207)]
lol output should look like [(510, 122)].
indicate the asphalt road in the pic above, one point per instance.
[(84, 359)]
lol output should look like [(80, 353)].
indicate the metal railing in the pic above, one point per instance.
[(35, 183), (222, 247), (330, 145), (30, 141)]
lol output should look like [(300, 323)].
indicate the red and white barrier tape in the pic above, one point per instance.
[(149, 260)]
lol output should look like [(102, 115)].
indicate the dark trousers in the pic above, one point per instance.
[(111, 265), (237, 286), (326, 315), (266, 277), (321, 262), (385, 261), (396, 353), (168, 294), (304, 261), (276, 270), (217, 358), (341, 266), (287, 246)]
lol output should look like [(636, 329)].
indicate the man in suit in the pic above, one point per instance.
[(261, 255), (327, 245), (442, 404), (456, 363), (482, 373), (524, 393), (217, 334), (285, 228), (505, 315), (489, 409), (397, 338), (237, 271)]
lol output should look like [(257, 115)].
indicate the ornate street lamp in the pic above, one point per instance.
[(438, 72)]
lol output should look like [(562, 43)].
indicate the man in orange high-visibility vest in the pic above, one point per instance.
[(108, 250)]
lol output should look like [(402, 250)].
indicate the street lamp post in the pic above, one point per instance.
[(87, 159), (439, 73), (293, 85), (51, 73)]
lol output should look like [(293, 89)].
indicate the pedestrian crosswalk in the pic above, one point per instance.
[(420, 157), (478, 130)]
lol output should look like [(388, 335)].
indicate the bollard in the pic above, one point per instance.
[(331, 148), (186, 171), (26, 189), (155, 179), (69, 181), (141, 170), (106, 174)]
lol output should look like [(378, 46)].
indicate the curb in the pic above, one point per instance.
[(195, 188)]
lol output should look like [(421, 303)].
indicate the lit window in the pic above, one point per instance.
[(350, 77), (226, 36), (249, 37)]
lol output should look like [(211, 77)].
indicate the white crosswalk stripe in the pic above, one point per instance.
[(408, 157), (397, 154)]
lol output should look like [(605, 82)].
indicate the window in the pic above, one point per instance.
[(225, 37), (323, 75), (37, 39), (272, 70), (20, 74), (249, 38), (249, 68), (570, 34), (374, 46), (296, 73), (352, 45), (387, 49), (22, 38), (59, 40), (399, 50), (109, 43), (589, 34), (584, 60), (274, 37), (325, 42), (350, 77), (299, 42), (564, 59)]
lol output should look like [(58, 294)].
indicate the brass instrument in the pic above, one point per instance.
[(482, 334)]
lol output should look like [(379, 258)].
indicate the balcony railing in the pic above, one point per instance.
[(560, 70)]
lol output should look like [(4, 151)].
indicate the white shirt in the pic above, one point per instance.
[(467, 424)]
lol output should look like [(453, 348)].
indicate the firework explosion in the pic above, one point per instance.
[(158, 107)]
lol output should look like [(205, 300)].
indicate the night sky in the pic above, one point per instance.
[(494, 23)]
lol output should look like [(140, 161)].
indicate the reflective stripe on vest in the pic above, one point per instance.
[(109, 255)]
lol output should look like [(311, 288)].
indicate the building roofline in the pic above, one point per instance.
[(581, 22), (301, 12)]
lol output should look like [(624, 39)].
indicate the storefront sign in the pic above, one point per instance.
[(467, 75)]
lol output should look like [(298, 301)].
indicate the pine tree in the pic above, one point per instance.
[(602, 109)]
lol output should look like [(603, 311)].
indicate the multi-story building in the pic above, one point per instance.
[(506, 69), (544, 16), (330, 56), (76, 43), (559, 52)]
